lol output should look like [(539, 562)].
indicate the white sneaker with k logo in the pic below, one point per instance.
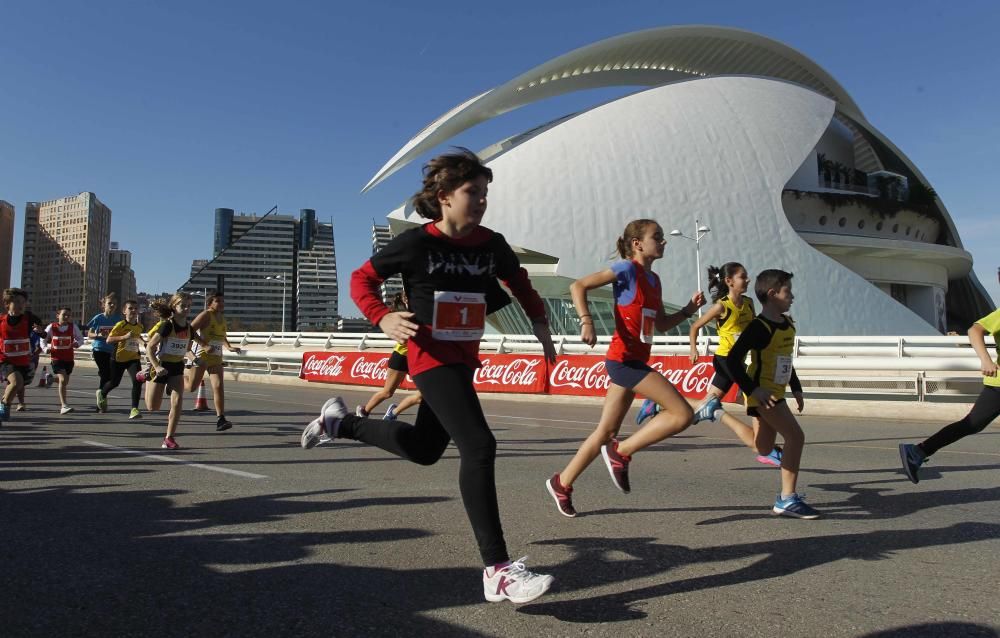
[(514, 583)]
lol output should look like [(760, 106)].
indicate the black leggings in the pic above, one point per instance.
[(984, 411), (450, 411), (103, 361), (118, 368)]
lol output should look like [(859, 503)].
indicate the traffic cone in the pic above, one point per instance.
[(200, 402), (41, 378)]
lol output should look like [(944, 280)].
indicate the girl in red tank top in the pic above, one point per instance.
[(638, 314)]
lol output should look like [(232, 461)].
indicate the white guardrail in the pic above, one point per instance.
[(917, 367)]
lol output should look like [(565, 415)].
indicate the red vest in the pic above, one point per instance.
[(61, 342), (15, 346), (634, 322)]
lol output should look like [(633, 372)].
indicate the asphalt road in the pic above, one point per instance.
[(243, 533)]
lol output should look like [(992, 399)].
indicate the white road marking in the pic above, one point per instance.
[(161, 457)]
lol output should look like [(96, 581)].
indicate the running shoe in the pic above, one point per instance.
[(514, 583), (360, 411), (133, 413), (390, 413), (771, 458), (794, 506), (222, 424), (617, 465), (20, 407), (328, 423), (912, 460), (706, 411), (65, 409), (169, 444), (563, 496), (4, 412), (647, 410), (102, 401)]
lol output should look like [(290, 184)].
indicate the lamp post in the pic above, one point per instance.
[(283, 279), (699, 232)]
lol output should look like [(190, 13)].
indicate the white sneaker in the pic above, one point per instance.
[(360, 411), (65, 410), (328, 423), (514, 583)]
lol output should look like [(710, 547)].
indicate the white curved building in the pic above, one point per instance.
[(742, 133)]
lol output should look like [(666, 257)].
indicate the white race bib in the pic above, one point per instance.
[(61, 343), (648, 327), (174, 347), (782, 369), (458, 316), (16, 347), (131, 345)]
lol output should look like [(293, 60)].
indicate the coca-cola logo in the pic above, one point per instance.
[(519, 372), (692, 380), (375, 370), (331, 366), (592, 378)]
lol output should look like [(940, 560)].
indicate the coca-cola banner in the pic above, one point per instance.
[(584, 374), (523, 374), (578, 375)]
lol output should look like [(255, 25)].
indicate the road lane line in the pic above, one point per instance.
[(161, 457)]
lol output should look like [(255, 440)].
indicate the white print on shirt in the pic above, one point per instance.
[(456, 264)]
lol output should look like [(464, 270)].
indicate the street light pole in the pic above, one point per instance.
[(283, 279), (699, 233)]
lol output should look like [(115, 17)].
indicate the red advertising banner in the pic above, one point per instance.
[(578, 375)]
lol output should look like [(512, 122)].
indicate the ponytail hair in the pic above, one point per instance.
[(717, 278), (398, 302), (161, 307), (445, 174), (634, 230)]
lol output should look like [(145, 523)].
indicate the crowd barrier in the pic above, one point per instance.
[(916, 368)]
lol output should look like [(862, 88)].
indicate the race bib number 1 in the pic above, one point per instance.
[(782, 369), (648, 328), (459, 316)]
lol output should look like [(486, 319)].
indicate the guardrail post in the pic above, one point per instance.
[(298, 340), (795, 348), (921, 385), (329, 342), (899, 347), (244, 341), (361, 344), (500, 348), (270, 340), (562, 342)]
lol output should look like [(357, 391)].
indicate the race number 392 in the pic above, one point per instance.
[(459, 316)]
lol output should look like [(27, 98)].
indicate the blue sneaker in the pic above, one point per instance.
[(706, 411), (647, 410), (4, 412), (390, 413), (912, 460), (794, 506), (771, 458)]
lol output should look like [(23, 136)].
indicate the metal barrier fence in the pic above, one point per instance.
[(915, 367)]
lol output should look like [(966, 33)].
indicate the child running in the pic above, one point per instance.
[(63, 338), (99, 327), (15, 348), (770, 340), (984, 411), (126, 335), (449, 267), (638, 314), (162, 309), (732, 311), (398, 369), (210, 327), (166, 352)]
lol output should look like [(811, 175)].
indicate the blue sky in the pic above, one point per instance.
[(169, 110)]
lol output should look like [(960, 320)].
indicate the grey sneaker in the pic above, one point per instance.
[(328, 423), (912, 460)]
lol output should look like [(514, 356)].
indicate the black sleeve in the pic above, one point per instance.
[(397, 254), (794, 382), (166, 329), (755, 337)]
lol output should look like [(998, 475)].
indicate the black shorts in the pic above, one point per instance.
[(722, 379), (627, 374), (66, 367), (398, 362), (173, 368), (27, 372), (754, 413)]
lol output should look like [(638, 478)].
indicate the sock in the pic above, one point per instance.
[(491, 571), (785, 497)]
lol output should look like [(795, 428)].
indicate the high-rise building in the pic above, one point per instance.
[(6, 242), (381, 235), (66, 252), (121, 277), (274, 270)]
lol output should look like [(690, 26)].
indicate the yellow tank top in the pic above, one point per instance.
[(127, 350), (771, 366), (732, 323), (215, 331)]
